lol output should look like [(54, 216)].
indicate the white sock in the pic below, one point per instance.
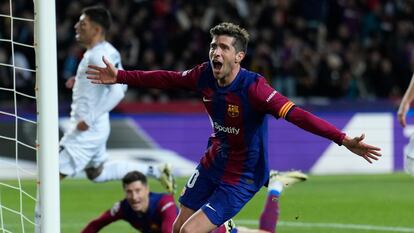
[(116, 170), (38, 216), (275, 186)]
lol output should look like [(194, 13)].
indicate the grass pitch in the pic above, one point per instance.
[(323, 204)]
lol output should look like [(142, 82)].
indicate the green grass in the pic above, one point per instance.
[(353, 203)]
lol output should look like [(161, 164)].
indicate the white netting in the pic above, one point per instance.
[(17, 116)]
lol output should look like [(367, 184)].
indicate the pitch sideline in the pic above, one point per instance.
[(250, 222), (331, 225)]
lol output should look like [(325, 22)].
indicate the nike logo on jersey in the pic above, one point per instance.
[(205, 99), (210, 207)]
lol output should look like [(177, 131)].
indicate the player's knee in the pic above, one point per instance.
[(190, 228), (93, 173), (186, 229)]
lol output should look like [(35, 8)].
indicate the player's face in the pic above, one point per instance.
[(137, 195), (85, 30), (224, 59)]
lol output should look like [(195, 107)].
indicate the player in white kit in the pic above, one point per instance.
[(83, 146)]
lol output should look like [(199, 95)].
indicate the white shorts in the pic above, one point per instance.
[(74, 159), (80, 150)]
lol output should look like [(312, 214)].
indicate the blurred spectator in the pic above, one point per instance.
[(24, 80), (5, 76), (330, 48)]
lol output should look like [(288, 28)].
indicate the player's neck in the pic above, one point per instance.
[(227, 80), (145, 208), (95, 41)]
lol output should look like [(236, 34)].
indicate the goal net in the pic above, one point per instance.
[(28, 117)]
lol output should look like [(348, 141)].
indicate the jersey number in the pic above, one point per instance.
[(193, 179)]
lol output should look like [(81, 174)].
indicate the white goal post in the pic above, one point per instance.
[(47, 108)]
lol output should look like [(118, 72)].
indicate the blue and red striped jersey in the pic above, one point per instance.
[(158, 218), (237, 149)]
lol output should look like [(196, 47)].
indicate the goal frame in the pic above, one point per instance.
[(47, 115)]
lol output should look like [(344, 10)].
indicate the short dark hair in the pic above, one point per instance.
[(99, 15), (240, 34), (133, 176)]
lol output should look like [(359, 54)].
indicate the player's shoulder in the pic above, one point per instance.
[(250, 78), (103, 49), (109, 48), (162, 201), (250, 75), (104, 46), (160, 197), (156, 195), (115, 208)]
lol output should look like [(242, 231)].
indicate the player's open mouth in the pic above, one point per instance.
[(217, 65)]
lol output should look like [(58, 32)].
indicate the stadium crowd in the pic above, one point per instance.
[(343, 49)]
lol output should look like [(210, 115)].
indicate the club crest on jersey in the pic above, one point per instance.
[(233, 110)]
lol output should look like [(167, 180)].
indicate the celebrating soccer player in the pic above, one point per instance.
[(235, 164)]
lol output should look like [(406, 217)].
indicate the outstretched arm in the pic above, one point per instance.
[(405, 103), (97, 224), (358, 147), (318, 126), (265, 97), (159, 79), (102, 75)]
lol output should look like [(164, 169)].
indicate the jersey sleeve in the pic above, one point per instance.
[(270, 101), (267, 100), (105, 219), (162, 79), (167, 209), (315, 125)]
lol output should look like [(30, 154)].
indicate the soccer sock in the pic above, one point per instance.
[(219, 229), (275, 185), (222, 229), (116, 170), (270, 214)]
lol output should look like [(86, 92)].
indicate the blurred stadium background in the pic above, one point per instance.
[(348, 61)]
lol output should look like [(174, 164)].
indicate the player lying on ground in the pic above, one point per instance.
[(235, 164), (144, 210)]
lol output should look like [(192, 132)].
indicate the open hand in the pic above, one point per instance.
[(70, 82), (362, 149), (82, 126), (102, 75)]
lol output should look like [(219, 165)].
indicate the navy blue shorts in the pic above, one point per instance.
[(219, 201)]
